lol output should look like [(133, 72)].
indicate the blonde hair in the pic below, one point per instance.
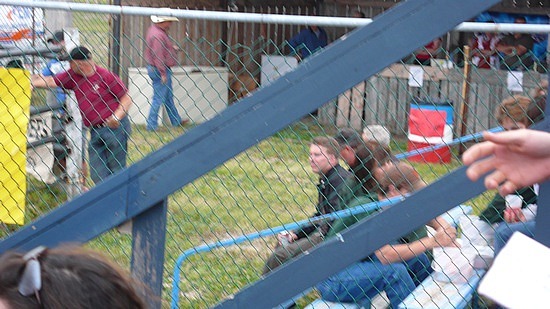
[(329, 143)]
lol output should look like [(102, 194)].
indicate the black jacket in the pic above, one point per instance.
[(330, 199)]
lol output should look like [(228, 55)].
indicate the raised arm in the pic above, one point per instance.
[(41, 81), (120, 112), (445, 236)]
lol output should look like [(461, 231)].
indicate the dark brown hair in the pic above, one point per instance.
[(382, 154), (364, 167), (72, 277)]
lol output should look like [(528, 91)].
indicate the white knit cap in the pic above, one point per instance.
[(378, 134)]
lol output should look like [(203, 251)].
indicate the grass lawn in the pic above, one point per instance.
[(268, 185)]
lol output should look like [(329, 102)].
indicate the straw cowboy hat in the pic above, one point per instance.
[(160, 19)]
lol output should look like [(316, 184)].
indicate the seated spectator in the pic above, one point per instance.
[(323, 159), (515, 50), (504, 232), (430, 51), (349, 140), (397, 267), (484, 50), (381, 137), (518, 219), (64, 277), (512, 114), (308, 41)]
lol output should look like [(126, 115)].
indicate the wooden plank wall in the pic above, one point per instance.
[(386, 97), (203, 41)]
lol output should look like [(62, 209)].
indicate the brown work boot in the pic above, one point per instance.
[(184, 122)]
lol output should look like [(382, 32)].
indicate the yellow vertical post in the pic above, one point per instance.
[(15, 91)]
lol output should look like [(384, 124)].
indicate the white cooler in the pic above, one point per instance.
[(200, 93)]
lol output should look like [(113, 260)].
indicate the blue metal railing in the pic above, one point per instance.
[(467, 138), (295, 225)]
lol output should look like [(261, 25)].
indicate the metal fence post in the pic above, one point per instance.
[(149, 237), (73, 162)]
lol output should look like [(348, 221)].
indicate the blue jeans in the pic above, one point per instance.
[(419, 268), (362, 281), (505, 230), (162, 94), (107, 150)]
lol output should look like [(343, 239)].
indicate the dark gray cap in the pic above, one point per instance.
[(350, 137), (80, 53), (57, 37)]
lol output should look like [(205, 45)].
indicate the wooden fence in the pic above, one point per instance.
[(386, 97)]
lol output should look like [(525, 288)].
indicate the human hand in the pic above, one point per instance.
[(513, 159), (445, 237), (163, 79), (112, 122), (286, 237), (513, 215)]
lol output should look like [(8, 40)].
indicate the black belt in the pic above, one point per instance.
[(99, 125)]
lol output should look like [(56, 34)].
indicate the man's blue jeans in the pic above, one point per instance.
[(362, 281), (107, 150), (162, 94), (505, 230)]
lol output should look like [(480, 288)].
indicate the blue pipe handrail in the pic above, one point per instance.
[(268, 232), (466, 138), (292, 226)]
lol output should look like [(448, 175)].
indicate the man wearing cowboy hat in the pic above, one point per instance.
[(160, 54)]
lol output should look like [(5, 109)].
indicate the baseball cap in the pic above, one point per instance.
[(350, 137), (57, 37), (159, 19), (80, 53)]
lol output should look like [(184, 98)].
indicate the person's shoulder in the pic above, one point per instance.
[(340, 170), (507, 38), (104, 71)]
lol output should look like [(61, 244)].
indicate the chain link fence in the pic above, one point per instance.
[(272, 183)]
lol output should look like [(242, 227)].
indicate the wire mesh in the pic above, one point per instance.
[(272, 184)]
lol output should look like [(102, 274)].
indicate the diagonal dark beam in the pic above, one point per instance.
[(319, 79), (398, 30), (358, 242)]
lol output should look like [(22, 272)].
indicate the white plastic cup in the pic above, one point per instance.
[(514, 201)]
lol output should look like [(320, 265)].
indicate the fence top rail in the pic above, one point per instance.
[(256, 17)]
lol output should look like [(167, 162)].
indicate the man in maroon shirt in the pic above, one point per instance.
[(161, 56), (104, 102)]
